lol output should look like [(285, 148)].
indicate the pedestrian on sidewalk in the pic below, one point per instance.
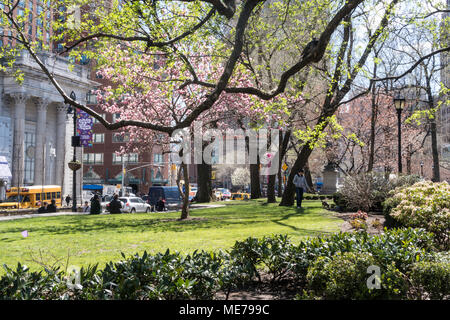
[(68, 198)]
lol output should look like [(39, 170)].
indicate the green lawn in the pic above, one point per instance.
[(91, 239)]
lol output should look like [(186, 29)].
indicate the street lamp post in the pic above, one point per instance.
[(75, 144), (399, 103), (421, 169)]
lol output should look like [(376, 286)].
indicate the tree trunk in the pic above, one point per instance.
[(300, 162), (271, 189), (185, 194), (204, 191), (373, 120), (308, 176), (435, 152), (433, 129), (255, 188), (280, 183), (271, 180), (408, 160)]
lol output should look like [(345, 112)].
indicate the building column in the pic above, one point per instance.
[(41, 131), (60, 143), (19, 107)]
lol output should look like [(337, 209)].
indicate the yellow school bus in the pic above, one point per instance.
[(31, 197)]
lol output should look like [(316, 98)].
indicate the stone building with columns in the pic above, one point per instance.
[(35, 129)]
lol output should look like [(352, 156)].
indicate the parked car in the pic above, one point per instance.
[(171, 196), (226, 194), (134, 204), (217, 194), (192, 193), (106, 199), (240, 196)]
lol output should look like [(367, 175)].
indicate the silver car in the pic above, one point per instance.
[(134, 204)]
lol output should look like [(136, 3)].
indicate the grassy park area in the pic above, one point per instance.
[(90, 239)]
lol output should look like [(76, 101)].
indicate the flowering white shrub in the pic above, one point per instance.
[(425, 205)]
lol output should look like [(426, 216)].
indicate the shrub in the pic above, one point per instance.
[(431, 278), (367, 191), (359, 215), (377, 224), (403, 247), (358, 224), (345, 276), (273, 253), (423, 205), (20, 284), (340, 202)]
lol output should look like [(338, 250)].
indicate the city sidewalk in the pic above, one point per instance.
[(69, 213)]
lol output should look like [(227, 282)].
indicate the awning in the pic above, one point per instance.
[(5, 173), (92, 187)]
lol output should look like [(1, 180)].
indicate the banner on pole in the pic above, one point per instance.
[(84, 128)]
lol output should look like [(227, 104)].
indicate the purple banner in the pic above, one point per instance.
[(84, 128)]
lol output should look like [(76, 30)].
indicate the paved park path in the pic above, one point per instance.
[(70, 213)]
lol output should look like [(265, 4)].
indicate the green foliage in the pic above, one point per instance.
[(432, 278), (423, 205), (271, 253), (344, 276), (402, 247), (331, 267)]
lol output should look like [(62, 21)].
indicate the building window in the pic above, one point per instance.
[(158, 158), (93, 158), (127, 158), (99, 138), (95, 119), (120, 137)]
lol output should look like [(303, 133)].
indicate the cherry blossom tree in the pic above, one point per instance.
[(143, 91)]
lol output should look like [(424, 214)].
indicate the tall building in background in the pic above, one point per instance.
[(35, 129)]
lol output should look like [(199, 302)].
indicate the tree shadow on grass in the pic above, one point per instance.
[(202, 219)]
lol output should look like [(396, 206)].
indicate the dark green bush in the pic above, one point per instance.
[(432, 278), (345, 276), (272, 253), (340, 202), (201, 274), (402, 247)]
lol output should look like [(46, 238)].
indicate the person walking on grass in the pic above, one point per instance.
[(301, 186)]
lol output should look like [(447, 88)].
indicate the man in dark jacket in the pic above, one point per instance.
[(52, 206), (95, 205), (115, 205)]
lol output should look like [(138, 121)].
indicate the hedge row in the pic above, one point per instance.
[(332, 267)]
